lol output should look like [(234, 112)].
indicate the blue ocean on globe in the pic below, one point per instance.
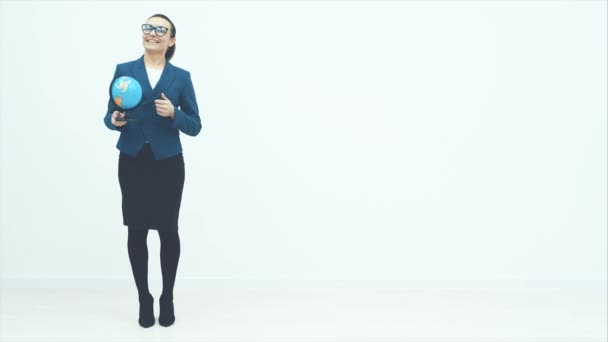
[(126, 92)]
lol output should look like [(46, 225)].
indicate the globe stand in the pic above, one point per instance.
[(126, 117)]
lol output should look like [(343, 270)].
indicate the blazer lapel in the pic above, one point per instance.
[(141, 76)]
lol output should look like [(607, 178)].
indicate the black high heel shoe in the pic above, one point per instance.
[(167, 314), (146, 311)]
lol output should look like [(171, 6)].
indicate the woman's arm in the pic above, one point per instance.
[(186, 117)]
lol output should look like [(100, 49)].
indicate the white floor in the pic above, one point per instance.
[(310, 315)]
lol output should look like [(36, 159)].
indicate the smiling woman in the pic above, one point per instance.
[(151, 168), (154, 38)]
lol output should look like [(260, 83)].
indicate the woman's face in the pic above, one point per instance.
[(153, 43)]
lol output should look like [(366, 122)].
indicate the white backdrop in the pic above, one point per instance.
[(349, 143)]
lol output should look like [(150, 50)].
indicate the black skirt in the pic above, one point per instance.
[(151, 190)]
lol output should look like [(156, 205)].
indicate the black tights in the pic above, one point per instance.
[(138, 255)]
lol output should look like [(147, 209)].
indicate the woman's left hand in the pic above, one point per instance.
[(164, 107)]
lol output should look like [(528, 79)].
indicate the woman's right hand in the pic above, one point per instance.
[(116, 115)]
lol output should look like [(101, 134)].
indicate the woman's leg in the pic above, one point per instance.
[(169, 259), (138, 255)]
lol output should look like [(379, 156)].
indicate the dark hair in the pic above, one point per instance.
[(171, 50)]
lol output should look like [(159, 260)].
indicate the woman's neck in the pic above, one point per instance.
[(156, 61)]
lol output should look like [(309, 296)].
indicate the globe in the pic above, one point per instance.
[(126, 92)]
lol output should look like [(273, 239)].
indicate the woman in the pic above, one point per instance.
[(151, 165)]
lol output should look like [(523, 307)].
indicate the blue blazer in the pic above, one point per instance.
[(161, 133)]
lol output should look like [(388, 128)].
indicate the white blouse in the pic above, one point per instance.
[(153, 76)]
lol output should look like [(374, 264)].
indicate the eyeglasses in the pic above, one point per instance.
[(160, 30)]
